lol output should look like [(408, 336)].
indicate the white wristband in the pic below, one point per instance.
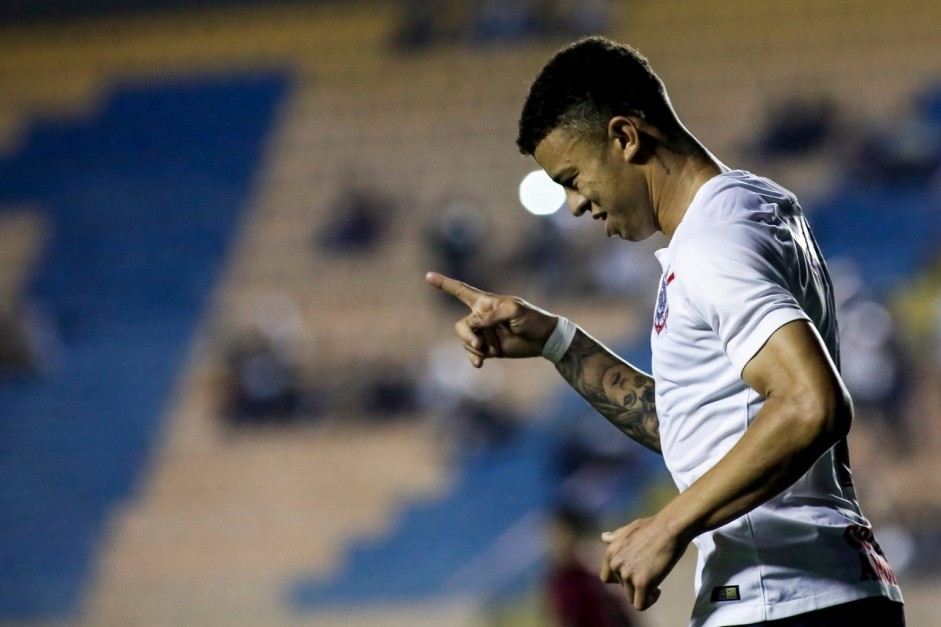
[(560, 340)]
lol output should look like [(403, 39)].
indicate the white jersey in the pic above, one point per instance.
[(741, 264)]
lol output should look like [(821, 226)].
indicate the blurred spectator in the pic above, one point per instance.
[(479, 426), (389, 390), (262, 385), (872, 361), (502, 21), (575, 595), (465, 404), (360, 215), (591, 461), (572, 18), (546, 255), (456, 240), (264, 365), (429, 22), (797, 126), (907, 153)]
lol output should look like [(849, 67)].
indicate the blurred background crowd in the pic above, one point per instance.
[(226, 394)]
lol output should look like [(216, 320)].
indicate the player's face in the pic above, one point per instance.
[(601, 179)]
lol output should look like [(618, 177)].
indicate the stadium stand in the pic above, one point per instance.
[(176, 519)]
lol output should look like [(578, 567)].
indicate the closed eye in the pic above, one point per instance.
[(567, 180)]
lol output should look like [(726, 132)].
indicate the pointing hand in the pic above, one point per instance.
[(497, 326)]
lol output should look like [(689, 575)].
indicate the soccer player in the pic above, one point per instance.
[(745, 402)]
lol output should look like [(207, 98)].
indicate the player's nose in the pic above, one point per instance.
[(577, 203)]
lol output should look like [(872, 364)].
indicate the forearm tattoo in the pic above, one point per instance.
[(628, 403)]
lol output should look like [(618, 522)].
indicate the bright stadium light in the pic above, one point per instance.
[(541, 195)]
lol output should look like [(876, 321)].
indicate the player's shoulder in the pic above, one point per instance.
[(735, 195), (729, 216)]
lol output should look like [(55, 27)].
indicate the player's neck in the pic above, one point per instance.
[(679, 178)]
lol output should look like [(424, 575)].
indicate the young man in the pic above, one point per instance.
[(745, 402)]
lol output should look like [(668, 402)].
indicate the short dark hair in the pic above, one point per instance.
[(588, 82)]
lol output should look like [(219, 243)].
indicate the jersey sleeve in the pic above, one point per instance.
[(735, 276)]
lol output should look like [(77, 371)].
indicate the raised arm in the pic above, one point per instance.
[(620, 392), (506, 326)]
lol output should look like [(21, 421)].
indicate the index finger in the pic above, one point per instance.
[(460, 290)]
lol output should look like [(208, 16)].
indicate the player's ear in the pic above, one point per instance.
[(624, 135)]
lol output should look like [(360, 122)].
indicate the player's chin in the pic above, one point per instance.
[(631, 236), (633, 233)]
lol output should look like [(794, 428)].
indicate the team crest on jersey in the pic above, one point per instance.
[(663, 305), (872, 563)]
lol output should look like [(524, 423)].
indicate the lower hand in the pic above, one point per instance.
[(639, 557)]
